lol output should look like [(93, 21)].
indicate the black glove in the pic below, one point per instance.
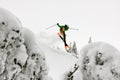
[(57, 23)]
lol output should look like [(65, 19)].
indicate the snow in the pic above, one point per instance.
[(58, 60)]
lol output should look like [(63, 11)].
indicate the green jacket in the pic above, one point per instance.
[(63, 26)]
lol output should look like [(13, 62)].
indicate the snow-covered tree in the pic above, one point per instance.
[(20, 56), (73, 49), (69, 75), (90, 40), (98, 61)]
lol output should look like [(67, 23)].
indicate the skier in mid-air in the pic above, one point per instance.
[(62, 34)]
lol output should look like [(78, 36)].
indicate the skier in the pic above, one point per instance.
[(63, 28)]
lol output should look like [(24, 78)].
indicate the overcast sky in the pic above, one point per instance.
[(97, 18)]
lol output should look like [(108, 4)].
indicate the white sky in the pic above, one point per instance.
[(97, 18)]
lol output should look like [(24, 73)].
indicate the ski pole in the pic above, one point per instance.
[(51, 26), (74, 29)]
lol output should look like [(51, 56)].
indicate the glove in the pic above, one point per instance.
[(57, 23)]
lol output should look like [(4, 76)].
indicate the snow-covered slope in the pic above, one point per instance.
[(59, 61), (98, 61)]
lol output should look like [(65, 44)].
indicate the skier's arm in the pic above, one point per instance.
[(58, 25)]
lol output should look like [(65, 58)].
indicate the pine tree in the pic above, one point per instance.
[(74, 48), (90, 40)]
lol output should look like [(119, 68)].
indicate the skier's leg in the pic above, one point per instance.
[(61, 34), (64, 37)]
